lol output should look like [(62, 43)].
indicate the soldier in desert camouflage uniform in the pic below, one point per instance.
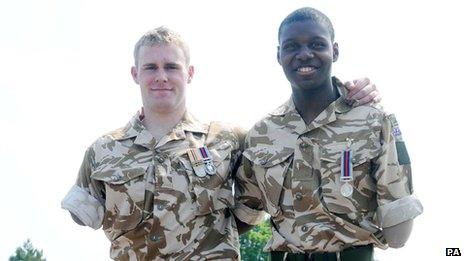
[(336, 180), (161, 186), (161, 189)]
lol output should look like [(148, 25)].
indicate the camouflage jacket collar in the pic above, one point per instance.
[(291, 119), (135, 128)]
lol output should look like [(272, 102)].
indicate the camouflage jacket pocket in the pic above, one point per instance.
[(270, 170), (363, 198), (124, 193), (212, 191)]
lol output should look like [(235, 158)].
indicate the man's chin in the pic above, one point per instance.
[(161, 106), (167, 106), (305, 84)]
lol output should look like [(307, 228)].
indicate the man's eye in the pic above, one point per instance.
[(150, 67), (318, 45), (290, 47), (171, 67)]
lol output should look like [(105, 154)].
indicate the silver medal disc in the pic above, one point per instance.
[(200, 172), (346, 190), (210, 168)]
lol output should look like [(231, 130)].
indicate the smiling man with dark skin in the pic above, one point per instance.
[(306, 56), (335, 179)]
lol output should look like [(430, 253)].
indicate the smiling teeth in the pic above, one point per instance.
[(305, 69)]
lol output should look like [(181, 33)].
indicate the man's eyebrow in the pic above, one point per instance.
[(319, 38), (316, 37), (172, 63), (288, 40), (148, 65)]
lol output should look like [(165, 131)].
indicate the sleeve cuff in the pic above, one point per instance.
[(84, 206), (399, 211), (248, 215)]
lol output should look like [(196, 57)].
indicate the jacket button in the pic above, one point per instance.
[(159, 158), (339, 221), (304, 228)]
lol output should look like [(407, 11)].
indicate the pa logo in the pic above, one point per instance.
[(453, 251)]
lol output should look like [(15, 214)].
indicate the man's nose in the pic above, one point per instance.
[(305, 53), (161, 76)]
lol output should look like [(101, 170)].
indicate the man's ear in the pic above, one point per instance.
[(191, 72), (278, 55), (134, 74), (335, 52)]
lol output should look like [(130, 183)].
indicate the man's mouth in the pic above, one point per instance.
[(161, 89), (306, 70)]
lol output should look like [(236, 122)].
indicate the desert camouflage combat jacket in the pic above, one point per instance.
[(152, 202), (292, 171)]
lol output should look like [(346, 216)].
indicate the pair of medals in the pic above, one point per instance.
[(346, 177), (201, 161)]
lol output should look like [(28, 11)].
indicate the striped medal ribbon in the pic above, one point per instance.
[(201, 161), (346, 176)]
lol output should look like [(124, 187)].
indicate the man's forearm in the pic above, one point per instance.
[(242, 227)]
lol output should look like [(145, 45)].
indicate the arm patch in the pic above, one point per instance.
[(403, 156)]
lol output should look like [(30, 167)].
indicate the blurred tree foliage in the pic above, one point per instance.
[(27, 253), (252, 242)]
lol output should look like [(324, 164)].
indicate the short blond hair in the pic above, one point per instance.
[(161, 36)]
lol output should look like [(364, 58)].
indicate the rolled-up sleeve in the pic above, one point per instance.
[(396, 202), (249, 207), (399, 211), (85, 199)]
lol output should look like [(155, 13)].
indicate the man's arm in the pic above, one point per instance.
[(362, 91), (397, 206), (242, 227), (397, 235), (249, 209), (82, 200), (76, 219)]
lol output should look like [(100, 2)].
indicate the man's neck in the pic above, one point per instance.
[(161, 123), (310, 103)]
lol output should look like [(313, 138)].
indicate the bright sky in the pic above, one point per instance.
[(65, 80)]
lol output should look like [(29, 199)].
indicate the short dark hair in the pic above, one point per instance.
[(307, 14)]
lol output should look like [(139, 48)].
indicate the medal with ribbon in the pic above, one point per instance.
[(347, 170), (201, 161)]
